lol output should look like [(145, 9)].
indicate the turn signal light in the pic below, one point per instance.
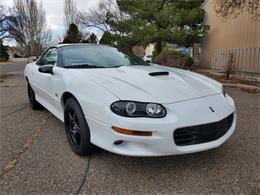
[(131, 132)]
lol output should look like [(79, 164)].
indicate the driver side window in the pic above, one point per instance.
[(49, 58)]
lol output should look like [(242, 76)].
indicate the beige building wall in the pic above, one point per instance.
[(241, 32)]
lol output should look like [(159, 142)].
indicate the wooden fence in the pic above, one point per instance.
[(245, 59)]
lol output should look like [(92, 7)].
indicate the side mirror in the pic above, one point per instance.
[(46, 69)]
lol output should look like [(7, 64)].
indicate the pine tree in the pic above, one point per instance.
[(73, 35), (106, 39), (157, 21), (93, 38)]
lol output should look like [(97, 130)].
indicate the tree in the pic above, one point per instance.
[(144, 21), (73, 35), (91, 39), (160, 21), (96, 18), (106, 38), (70, 12), (232, 8), (4, 56), (31, 22), (8, 25)]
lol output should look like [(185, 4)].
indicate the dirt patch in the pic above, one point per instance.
[(9, 76), (9, 86), (5, 63), (4, 76), (250, 90)]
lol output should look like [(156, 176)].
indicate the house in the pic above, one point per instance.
[(15, 52), (237, 37)]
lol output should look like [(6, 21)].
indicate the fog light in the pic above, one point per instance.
[(132, 132)]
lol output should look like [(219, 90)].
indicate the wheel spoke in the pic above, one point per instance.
[(73, 136), (77, 128), (74, 129), (70, 117), (74, 116)]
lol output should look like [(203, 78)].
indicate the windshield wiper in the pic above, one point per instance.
[(138, 65), (83, 66), (130, 65)]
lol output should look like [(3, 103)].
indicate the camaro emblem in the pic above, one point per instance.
[(212, 110)]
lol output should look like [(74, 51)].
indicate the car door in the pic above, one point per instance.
[(41, 81)]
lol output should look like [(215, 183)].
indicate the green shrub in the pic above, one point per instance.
[(174, 58), (187, 61)]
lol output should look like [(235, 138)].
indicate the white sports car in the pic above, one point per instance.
[(124, 105)]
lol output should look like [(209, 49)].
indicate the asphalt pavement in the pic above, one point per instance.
[(35, 157), (12, 67)]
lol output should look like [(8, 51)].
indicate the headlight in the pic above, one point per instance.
[(224, 92), (138, 109)]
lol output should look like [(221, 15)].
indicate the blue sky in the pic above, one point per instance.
[(54, 13)]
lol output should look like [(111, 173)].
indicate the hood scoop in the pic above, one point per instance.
[(158, 73)]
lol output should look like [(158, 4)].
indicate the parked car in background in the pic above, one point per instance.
[(127, 106), (148, 58)]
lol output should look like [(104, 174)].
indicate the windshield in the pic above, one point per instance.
[(96, 56)]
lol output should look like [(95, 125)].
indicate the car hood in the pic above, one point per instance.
[(136, 83)]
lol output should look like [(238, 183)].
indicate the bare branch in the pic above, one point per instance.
[(97, 18), (70, 12), (232, 8), (31, 22), (8, 25)]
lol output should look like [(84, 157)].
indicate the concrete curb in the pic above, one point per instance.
[(243, 87), (239, 76)]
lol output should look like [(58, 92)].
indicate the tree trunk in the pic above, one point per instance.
[(158, 46), (196, 54)]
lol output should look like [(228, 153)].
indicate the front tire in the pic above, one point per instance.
[(76, 127), (31, 96)]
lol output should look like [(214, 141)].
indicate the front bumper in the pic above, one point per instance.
[(161, 143)]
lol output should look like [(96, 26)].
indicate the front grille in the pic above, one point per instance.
[(202, 133)]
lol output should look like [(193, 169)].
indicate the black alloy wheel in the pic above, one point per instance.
[(73, 127), (76, 127)]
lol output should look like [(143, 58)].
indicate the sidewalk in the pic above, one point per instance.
[(249, 83)]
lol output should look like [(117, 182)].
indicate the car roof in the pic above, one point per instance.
[(82, 44)]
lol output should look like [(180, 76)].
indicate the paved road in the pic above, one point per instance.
[(35, 157), (7, 68)]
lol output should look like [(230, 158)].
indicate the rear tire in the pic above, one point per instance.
[(76, 128), (31, 96)]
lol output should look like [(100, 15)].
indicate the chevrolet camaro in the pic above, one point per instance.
[(120, 103)]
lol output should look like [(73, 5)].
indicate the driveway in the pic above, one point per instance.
[(35, 157)]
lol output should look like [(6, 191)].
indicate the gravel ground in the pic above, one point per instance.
[(35, 157)]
